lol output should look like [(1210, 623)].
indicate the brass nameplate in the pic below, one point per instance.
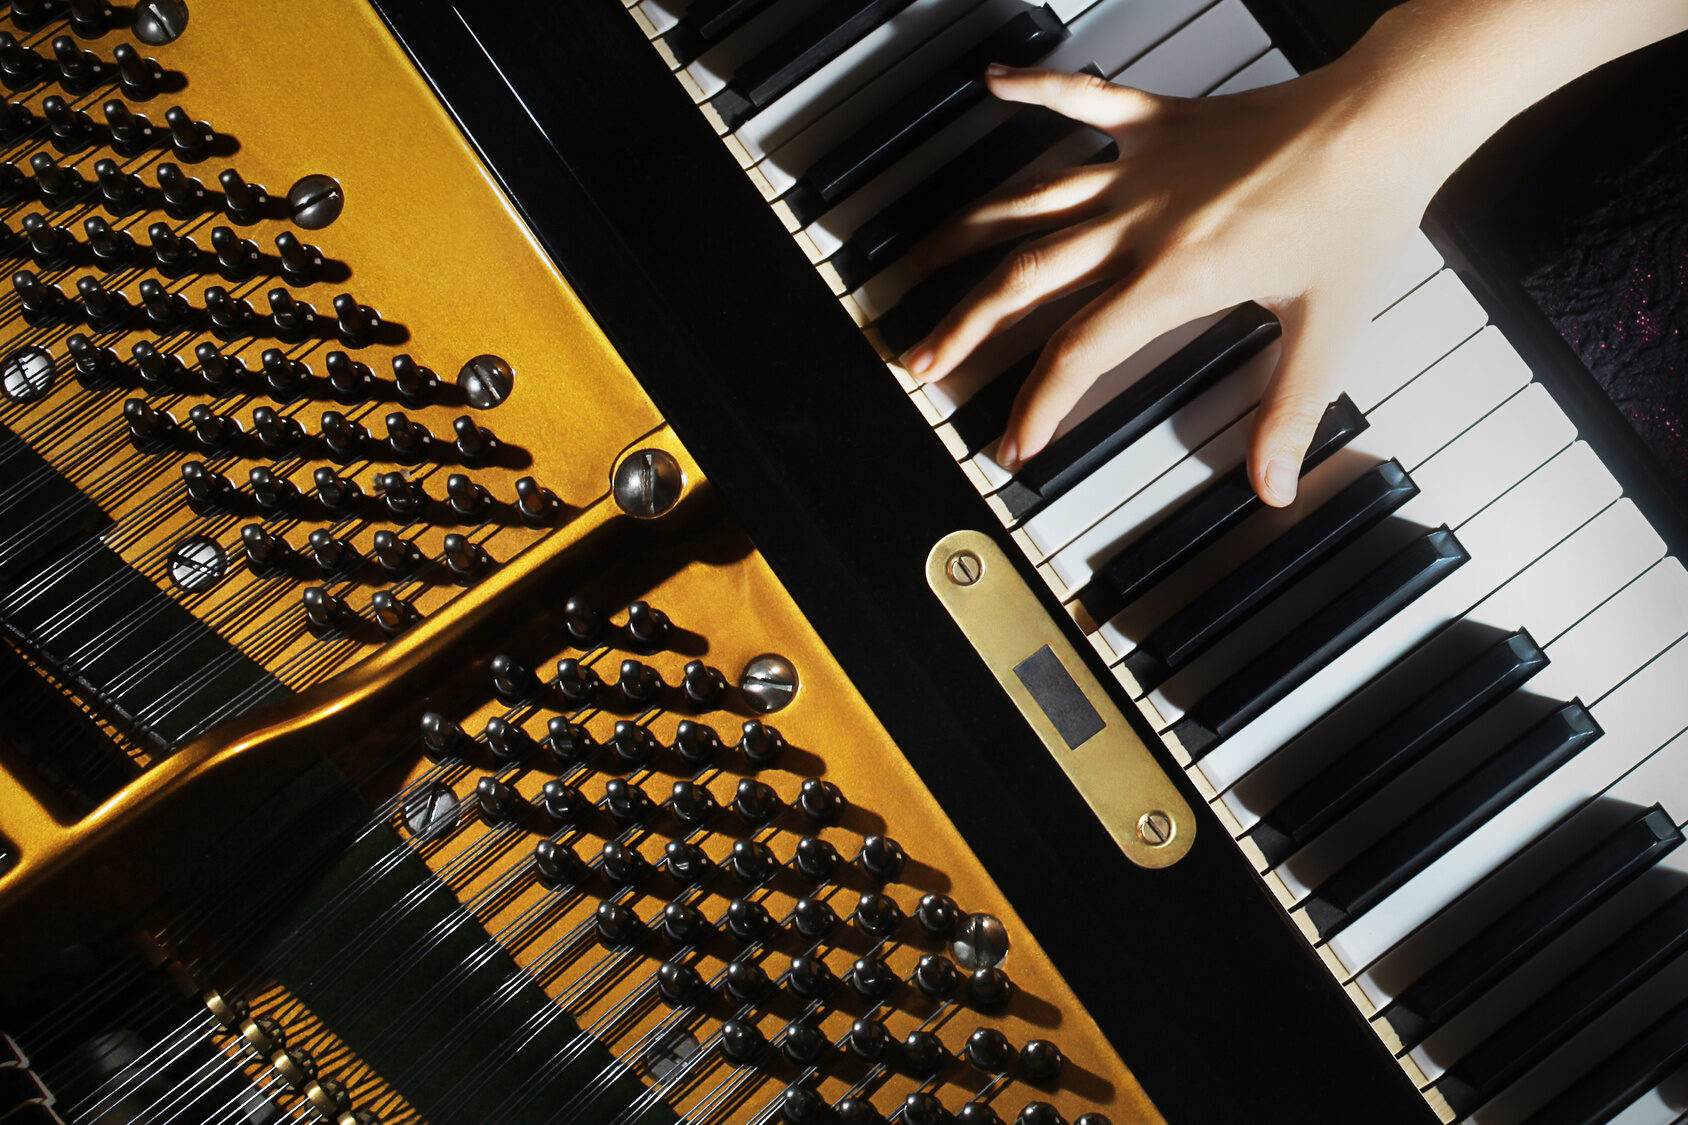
[(1039, 669)]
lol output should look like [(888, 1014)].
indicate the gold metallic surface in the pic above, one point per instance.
[(1115, 773)]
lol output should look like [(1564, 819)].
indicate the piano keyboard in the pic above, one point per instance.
[(1436, 700)]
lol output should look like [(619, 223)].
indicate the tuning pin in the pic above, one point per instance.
[(475, 445), (18, 63), (139, 77), (647, 626), (634, 746), (323, 611), (404, 497), (639, 683), (755, 802), (264, 551), (881, 859), (692, 805), (816, 859), (14, 185), (396, 555), (392, 613), (704, 686), (409, 440), (819, 800), (96, 368), (577, 683), (508, 742), (749, 920), (626, 802), (334, 557), (679, 985), (244, 203), (184, 196), (1041, 1062), (558, 866), (923, 1054), (47, 243), (214, 432), (159, 371), (466, 559), (1039, 1113), (15, 120), (742, 1043), (70, 127), (293, 320), (922, 1107), (191, 139), (60, 186), (79, 70), (104, 309), (937, 915), (355, 323), (868, 1040), (857, 1111), (277, 433), (91, 19), (813, 918), (623, 866), (274, 494), (165, 310), (468, 499), (300, 261), (988, 989), (497, 801), (442, 739), (146, 425), (39, 300), (563, 803), (752, 862), (111, 248), (583, 622), (687, 865), (568, 744), (236, 256), (878, 915), (339, 495), (347, 378), (343, 437), (130, 133), (746, 981), (803, 1045), (872, 979), (417, 385), (978, 1113), (512, 680), (537, 505), (207, 489), (937, 976), (761, 744), (230, 316), (988, 1050), (121, 191)]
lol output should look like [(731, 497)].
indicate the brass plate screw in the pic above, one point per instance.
[(965, 568), (1155, 829)]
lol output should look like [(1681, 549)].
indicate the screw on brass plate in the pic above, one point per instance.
[(1155, 829), (965, 568)]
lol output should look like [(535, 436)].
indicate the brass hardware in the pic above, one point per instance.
[(1115, 773)]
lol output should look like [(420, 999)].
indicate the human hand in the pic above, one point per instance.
[(1290, 196)]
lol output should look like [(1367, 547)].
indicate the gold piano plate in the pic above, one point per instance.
[(1039, 668)]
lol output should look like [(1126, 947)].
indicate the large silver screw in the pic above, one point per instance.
[(981, 942), (648, 483), (965, 568), (160, 21), (769, 683), (1156, 829), (315, 201)]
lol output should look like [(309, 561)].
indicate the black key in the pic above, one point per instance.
[(1234, 598), (919, 114), (1384, 754), (1139, 408), (706, 23), (982, 166), (797, 54), (1580, 998), (1198, 521), (1474, 968), (1382, 593), (1375, 873), (981, 419), (1635, 1069)]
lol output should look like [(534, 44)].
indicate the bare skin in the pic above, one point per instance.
[(1300, 197)]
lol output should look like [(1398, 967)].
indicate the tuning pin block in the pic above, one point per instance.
[(139, 77), (184, 196), (355, 324), (335, 557), (338, 495), (396, 555), (111, 248), (192, 140), (392, 613), (417, 385), (293, 320), (475, 445), (324, 612), (350, 380)]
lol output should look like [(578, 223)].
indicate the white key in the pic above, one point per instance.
[(1412, 335), (996, 354), (1556, 591), (716, 67), (663, 14), (1267, 70), (1215, 45), (1411, 425), (1464, 479), (1638, 716), (871, 75), (1534, 427)]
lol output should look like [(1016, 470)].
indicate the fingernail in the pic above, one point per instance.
[(997, 70), (920, 361), (1008, 455), (1282, 473)]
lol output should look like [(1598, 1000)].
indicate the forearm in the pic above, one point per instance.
[(1449, 73)]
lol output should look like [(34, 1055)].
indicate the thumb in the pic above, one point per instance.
[(1294, 402)]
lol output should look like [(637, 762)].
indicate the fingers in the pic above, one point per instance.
[(1098, 337), (1295, 400), (1082, 97), (1051, 199), (1033, 274)]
